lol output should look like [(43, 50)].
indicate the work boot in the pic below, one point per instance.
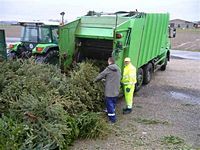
[(127, 111), (112, 121)]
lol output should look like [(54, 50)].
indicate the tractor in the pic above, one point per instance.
[(38, 39)]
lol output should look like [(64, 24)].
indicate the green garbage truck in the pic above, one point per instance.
[(3, 52), (38, 39), (144, 37)]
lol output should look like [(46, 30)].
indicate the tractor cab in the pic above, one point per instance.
[(39, 33), (35, 38)]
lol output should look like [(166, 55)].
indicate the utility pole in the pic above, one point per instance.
[(62, 14)]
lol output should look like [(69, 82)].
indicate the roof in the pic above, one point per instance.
[(45, 23), (185, 21)]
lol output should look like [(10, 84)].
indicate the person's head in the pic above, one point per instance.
[(127, 61), (111, 60)]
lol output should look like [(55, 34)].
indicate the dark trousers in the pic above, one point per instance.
[(110, 105)]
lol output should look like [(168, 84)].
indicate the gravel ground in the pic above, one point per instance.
[(187, 39), (168, 106)]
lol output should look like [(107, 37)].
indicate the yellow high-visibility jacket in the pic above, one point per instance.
[(129, 75)]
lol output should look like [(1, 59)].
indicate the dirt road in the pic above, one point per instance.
[(166, 114)]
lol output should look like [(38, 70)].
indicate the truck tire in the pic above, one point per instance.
[(148, 70), (140, 76), (164, 66), (52, 57)]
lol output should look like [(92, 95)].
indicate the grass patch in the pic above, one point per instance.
[(188, 105), (139, 142), (195, 50), (150, 121), (198, 50), (175, 143), (172, 140), (138, 106), (188, 30), (128, 130)]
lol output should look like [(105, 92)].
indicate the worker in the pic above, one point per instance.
[(112, 77), (174, 32), (128, 81)]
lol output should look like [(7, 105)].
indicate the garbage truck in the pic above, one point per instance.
[(144, 37), (38, 39)]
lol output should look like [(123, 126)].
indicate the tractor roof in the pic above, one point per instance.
[(41, 23)]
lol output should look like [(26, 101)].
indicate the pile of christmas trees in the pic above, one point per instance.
[(41, 108)]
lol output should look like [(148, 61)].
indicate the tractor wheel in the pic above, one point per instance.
[(139, 79), (12, 55), (26, 54), (52, 57), (148, 71), (163, 67)]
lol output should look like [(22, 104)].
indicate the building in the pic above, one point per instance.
[(178, 23)]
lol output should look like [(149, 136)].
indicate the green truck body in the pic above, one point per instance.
[(142, 37), (3, 53)]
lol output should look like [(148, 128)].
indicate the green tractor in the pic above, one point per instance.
[(38, 39)]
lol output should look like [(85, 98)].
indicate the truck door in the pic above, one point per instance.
[(121, 45), (66, 42), (3, 53)]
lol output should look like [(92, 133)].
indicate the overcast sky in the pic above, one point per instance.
[(50, 9)]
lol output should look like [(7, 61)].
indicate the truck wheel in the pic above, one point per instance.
[(139, 79), (163, 67), (51, 57), (148, 70)]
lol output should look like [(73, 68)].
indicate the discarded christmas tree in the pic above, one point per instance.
[(44, 109)]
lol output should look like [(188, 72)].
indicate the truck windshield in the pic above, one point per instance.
[(29, 34), (45, 35)]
